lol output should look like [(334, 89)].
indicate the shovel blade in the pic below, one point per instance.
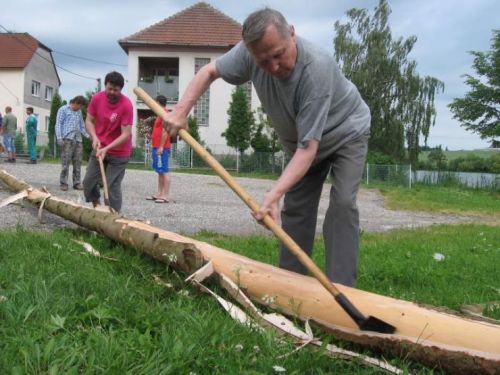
[(374, 324)]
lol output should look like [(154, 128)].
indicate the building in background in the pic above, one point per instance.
[(164, 57), (28, 78)]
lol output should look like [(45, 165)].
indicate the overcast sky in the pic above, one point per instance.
[(446, 30)]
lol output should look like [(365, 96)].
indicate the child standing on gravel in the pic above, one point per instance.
[(160, 141)]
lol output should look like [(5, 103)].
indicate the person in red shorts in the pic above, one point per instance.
[(160, 141)]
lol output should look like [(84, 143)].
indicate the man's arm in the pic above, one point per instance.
[(82, 127), (90, 126), (59, 122), (177, 119), (123, 137), (294, 171)]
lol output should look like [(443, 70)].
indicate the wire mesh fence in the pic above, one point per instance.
[(183, 157)]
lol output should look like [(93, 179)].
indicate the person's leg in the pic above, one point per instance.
[(32, 145), (299, 215), (66, 151), (163, 176), (115, 171), (10, 145), (341, 225), (77, 163), (91, 180)]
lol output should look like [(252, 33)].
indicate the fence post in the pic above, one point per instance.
[(237, 162), (367, 173), (190, 157)]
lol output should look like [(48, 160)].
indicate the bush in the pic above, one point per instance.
[(19, 142)]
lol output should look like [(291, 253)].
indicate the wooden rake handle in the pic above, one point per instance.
[(249, 201)]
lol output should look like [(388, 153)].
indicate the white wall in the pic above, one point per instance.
[(220, 91), (11, 92)]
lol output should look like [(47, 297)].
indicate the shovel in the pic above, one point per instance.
[(369, 323)]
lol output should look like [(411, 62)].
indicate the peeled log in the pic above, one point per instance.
[(437, 339)]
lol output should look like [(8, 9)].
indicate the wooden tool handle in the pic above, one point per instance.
[(104, 181), (249, 201)]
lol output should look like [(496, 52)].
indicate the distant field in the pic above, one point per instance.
[(451, 155)]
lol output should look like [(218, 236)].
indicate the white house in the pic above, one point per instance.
[(28, 78), (164, 57)]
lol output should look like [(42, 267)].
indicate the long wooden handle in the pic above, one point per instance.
[(104, 181), (249, 201)]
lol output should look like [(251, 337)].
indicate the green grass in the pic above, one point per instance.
[(442, 199), (62, 311), (451, 155)]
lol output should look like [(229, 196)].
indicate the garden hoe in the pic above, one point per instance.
[(369, 323)]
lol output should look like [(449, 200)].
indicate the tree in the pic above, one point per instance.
[(86, 142), (240, 121), (401, 102), (479, 110), (54, 107), (260, 142), (194, 129), (437, 158)]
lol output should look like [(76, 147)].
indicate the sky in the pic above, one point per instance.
[(446, 31)]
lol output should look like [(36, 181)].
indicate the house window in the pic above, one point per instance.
[(49, 91), (47, 120), (202, 106), (35, 88)]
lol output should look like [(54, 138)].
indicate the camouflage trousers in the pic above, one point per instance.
[(71, 152)]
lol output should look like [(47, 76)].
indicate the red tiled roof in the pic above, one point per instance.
[(198, 25), (17, 49)]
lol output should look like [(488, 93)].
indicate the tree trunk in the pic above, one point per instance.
[(435, 338)]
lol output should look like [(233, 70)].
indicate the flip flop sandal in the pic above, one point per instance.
[(151, 198), (161, 200)]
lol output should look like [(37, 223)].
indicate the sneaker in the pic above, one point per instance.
[(64, 187), (78, 187)]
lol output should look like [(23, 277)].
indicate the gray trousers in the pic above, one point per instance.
[(341, 225), (71, 152), (115, 171)]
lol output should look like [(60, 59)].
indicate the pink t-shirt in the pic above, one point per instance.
[(110, 117)]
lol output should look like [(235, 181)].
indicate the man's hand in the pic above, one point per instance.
[(160, 150), (96, 143), (173, 122), (101, 153), (270, 206)]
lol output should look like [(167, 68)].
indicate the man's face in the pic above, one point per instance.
[(275, 54), (75, 106), (113, 92)]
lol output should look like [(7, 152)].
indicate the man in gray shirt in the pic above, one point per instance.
[(322, 123), (9, 134)]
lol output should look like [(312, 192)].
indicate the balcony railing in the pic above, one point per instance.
[(159, 85)]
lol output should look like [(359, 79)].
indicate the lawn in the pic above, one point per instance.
[(65, 311)]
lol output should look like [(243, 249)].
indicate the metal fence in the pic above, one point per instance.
[(182, 157)]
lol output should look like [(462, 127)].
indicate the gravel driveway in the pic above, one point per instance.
[(197, 203)]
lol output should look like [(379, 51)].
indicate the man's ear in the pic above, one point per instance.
[(292, 31)]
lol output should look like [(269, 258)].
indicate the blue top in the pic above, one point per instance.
[(31, 123)]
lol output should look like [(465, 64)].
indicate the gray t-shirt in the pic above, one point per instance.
[(315, 102)]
